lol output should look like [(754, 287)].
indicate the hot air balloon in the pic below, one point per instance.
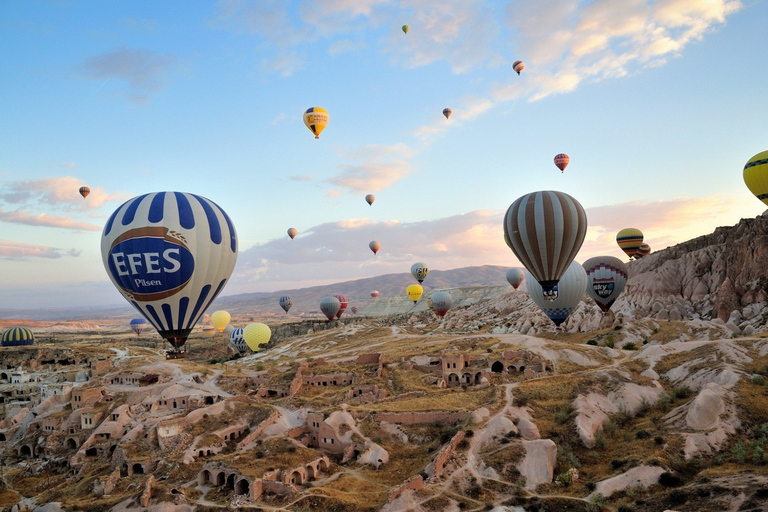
[(563, 298), (170, 255), (256, 335), (419, 271), (756, 176), (343, 303), (316, 119), (138, 325), (228, 329), (354, 310), (447, 112), (330, 306), (374, 246), (515, 277), (545, 230), (370, 198), (518, 66), (237, 340), (561, 161), (375, 293), (406, 28), (643, 250), (606, 278), (414, 292), (17, 337), (84, 191), (441, 303), (292, 232), (286, 303), (220, 319), (629, 239)]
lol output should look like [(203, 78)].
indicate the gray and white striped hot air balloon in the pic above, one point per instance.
[(545, 230), (170, 255)]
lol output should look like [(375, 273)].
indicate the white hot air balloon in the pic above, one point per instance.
[(330, 306), (237, 340), (169, 254), (515, 277), (559, 302), (606, 278)]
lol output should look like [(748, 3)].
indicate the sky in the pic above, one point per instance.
[(659, 105)]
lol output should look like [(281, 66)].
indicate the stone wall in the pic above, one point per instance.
[(414, 418), (438, 464), (415, 483)]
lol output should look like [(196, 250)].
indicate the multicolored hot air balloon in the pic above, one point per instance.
[(562, 299), (756, 176), (237, 340), (515, 277), (17, 337), (292, 232), (374, 246), (545, 230), (256, 335), (220, 319), (406, 28), (441, 303), (629, 239), (370, 198), (643, 250), (447, 112), (330, 306), (518, 66), (316, 119), (606, 278), (354, 310), (561, 161), (414, 292), (138, 325), (84, 191), (170, 254), (374, 293), (343, 303), (419, 271), (285, 303)]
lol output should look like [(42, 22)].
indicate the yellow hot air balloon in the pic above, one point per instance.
[(406, 28), (756, 176), (316, 119), (629, 239), (220, 320), (256, 335), (414, 292)]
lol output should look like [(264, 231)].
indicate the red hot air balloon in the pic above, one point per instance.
[(561, 161), (375, 293), (343, 303)]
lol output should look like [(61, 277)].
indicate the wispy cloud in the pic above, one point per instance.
[(44, 219), (145, 72), (373, 168), (61, 192), (19, 250)]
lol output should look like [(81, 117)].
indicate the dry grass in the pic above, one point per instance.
[(8, 499), (454, 399), (706, 352), (352, 490), (635, 366)]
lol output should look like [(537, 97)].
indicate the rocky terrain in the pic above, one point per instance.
[(662, 404)]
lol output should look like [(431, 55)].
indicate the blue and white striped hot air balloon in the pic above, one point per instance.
[(237, 340), (170, 255)]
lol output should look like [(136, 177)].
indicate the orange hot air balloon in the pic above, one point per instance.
[(292, 232), (370, 198), (561, 161), (84, 191), (374, 246)]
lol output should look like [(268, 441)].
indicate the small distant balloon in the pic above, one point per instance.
[(375, 293), (256, 335), (606, 279), (292, 232), (756, 176), (419, 271), (441, 303), (316, 119), (561, 161), (515, 277), (285, 303), (559, 302), (447, 112), (17, 337), (138, 325), (518, 66), (643, 250), (374, 246), (629, 239), (414, 292), (84, 191), (220, 319), (406, 28), (370, 198), (354, 310), (236, 338), (343, 303), (330, 306)]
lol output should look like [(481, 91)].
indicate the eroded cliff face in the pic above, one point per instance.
[(714, 274)]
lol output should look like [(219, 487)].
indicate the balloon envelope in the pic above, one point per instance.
[(220, 319), (285, 303), (441, 303), (374, 246), (515, 277), (138, 325), (606, 278), (414, 292), (545, 230), (256, 334), (343, 303), (419, 271), (518, 66), (447, 112), (292, 232), (756, 176), (330, 306), (17, 337), (370, 198), (561, 161), (237, 340), (354, 310), (561, 300), (375, 293), (643, 250), (406, 28), (84, 191), (316, 119), (629, 239), (170, 254)]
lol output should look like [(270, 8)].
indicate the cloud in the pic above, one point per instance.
[(19, 250), (61, 192), (301, 177), (468, 109), (373, 168), (44, 219), (144, 72), (345, 46)]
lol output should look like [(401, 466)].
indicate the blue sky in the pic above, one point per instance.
[(658, 104)]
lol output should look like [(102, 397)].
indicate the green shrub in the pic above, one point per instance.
[(629, 346)]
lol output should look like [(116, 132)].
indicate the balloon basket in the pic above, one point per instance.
[(176, 354)]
